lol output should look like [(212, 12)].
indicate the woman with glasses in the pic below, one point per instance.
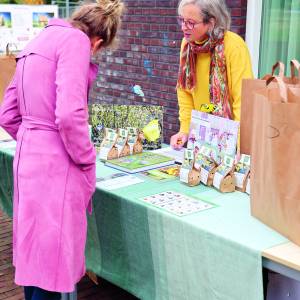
[(213, 62), (45, 110)]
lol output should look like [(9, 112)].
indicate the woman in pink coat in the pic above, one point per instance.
[(45, 110)]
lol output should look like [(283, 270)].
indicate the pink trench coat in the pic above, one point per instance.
[(45, 109)]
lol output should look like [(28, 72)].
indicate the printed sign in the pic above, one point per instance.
[(21, 23)]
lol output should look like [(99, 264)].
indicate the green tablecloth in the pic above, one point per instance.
[(6, 180), (210, 255)]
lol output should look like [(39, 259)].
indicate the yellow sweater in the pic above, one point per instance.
[(238, 66)]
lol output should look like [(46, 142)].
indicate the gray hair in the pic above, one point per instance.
[(216, 9)]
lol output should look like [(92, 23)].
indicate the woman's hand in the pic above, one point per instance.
[(178, 140)]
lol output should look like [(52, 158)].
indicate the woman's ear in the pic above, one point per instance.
[(212, 22), (211, 25), (95, 44)]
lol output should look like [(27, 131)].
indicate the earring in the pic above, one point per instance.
[(209, 32), (212, 33)]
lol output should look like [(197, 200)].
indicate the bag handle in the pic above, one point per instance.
[(281, 67), (295, 65), (283, 91)]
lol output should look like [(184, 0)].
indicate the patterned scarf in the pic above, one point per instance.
[(218, 86)]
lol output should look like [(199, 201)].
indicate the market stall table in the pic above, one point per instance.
[(154, 254)]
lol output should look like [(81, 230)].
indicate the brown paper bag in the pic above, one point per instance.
[(189, 174), (294, 66), (249, 87), (193, 177), (7, 70), (275, 171), (227, 184)]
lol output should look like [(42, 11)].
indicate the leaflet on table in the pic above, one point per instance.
[(177, 203), (8, 144), (177, 155), (165, 173), (116, 181), (219, 133)]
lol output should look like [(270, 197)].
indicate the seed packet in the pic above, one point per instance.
[(206, 164), (188, 173), (122, 143), (224, 179), (108, 149), (241, 173), (134, 140)]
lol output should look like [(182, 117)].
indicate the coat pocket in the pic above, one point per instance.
[(89, 177)]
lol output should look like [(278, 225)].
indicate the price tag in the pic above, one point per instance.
[(184, 175), (248, 187), (204, 176), (217, 180), (239, 179)]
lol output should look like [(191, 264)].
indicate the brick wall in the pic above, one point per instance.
[(148, 55)]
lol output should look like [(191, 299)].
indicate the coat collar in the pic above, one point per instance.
[(59, 22)]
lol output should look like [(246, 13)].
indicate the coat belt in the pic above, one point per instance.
[(30, 122)]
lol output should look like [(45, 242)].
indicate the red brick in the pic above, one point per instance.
[(148, 55)]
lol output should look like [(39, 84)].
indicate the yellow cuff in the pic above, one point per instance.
[(184, 127)]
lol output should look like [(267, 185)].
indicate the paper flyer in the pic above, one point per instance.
[(117, 181), (177, 203), (21, 23)]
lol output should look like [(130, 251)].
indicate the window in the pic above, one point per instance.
[(273, 33)]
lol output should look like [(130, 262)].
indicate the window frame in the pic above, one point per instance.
[(253, 27)]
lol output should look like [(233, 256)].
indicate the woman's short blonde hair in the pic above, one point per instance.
[(216, 9), (101, 19)]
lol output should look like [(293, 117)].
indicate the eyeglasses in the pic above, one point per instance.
[(188, 23)]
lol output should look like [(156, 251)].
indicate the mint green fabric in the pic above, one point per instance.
[(280, 32), (6, 181), (212, 255)]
